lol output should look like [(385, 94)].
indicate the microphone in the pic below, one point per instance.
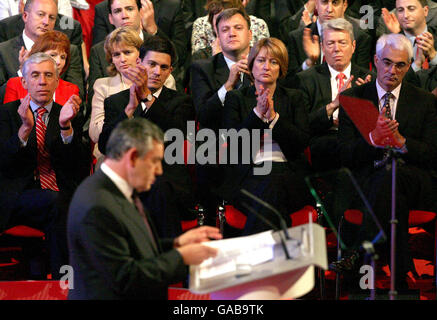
[(276, 228), (283, 224)]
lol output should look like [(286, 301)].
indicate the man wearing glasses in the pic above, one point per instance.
[(408, 114)]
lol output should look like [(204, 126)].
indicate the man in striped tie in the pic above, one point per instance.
[(42, 157)]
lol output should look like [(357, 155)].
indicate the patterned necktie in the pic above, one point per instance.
[(340, 80), (425, 64), (386, 105), (140, 208), (47, 176)]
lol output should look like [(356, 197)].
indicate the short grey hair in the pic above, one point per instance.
[(38, 58), (395, 41), (339, 24), (137, 133)]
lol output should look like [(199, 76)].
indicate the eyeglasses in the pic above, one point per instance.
[(399, 66)]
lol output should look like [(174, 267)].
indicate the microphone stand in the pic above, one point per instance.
[(392, 155), (283, 225)]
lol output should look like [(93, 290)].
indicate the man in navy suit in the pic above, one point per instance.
[(42, 157)]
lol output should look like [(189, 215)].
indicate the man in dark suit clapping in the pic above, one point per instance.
[(169, 109), (42, 157)]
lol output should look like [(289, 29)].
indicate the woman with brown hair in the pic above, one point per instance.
[(57, 45)]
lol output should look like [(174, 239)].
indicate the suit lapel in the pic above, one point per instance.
[(325, 87), (221, 71), (128, 209), (403, 104)]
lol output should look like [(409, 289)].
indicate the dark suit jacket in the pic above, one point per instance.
[(171, 110), (168, 18), (13, 26), (111, 250), (361, 57), (207, 76), (291, 131), (71, 162), (9, 64), (416, 114)]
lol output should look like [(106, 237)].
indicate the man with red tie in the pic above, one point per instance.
[(42, 157), (321, 86)]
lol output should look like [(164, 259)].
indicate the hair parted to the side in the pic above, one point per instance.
[(276, 48), (121, 36), (396, 41), (37, 58)]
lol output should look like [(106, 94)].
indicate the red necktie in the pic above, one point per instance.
[(425, 64), (47, 176), (340, 81)]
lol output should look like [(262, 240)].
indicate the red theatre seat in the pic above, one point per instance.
[(237, 219)]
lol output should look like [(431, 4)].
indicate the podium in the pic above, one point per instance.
[(277, 278)]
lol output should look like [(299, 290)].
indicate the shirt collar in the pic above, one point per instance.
[(35, 107), (346, 72), (412, 37), (28, 43), (381, 92), (229, 62), (119, 182)]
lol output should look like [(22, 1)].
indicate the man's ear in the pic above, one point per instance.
[(110, 19), (24, 16), (24, 83)]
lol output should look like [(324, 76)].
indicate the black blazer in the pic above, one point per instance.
[(171, 110), (9, 63), (111, 251), (361, 57), (291, 131), (71, 162), (315, 83), (13, 26), (207, 76), (416, 114)]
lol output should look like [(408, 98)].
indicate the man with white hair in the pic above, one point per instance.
[(408, 114)]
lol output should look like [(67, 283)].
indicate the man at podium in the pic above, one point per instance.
[(407, 123)]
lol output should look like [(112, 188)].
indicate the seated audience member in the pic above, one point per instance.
[(407, 122), (13, 26), (122, 49), (211, 79), (171, 196), (56, 45), (163, 18), (42, 157), (410, 20), (304, 45), (114, 251), (276, 171), (10, 8), (122, 13), (39, 16), (204, 41), (322, 85)]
